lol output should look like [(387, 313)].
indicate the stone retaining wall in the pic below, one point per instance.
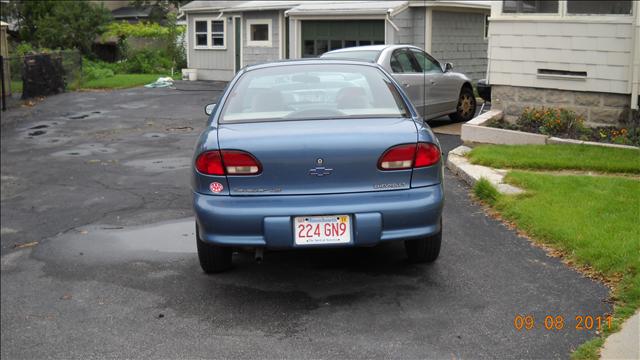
[(598, 109)]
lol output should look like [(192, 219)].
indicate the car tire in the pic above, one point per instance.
[(424, 250), (466, 108), (213, 258)]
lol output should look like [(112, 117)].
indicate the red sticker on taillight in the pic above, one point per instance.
[(216, 187)]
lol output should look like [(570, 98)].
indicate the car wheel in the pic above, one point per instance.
[(213, 258), (424, 250), (466, 108)]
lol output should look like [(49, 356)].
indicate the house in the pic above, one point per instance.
[(224, 36), (123, 10), (582, 55)]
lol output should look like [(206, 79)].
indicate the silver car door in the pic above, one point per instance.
[(442, 88), (408, 73), (428, 80)]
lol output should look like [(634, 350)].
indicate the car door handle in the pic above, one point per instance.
[(406, 85)]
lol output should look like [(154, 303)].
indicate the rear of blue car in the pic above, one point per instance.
[(315, 154)]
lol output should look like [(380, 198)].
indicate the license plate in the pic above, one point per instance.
[(326, 229)]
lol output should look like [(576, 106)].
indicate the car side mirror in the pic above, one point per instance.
[(448, 67), (209, 109)]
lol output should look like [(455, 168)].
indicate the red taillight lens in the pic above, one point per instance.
[(227, 162), (240, 163), (398, 157), (210, 163), (427, 154), (409, 156)]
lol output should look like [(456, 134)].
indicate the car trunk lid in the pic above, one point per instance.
[(318, 156)]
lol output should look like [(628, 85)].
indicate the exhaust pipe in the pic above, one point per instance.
[(259, 255)]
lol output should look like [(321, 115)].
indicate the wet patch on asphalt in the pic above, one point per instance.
[(85, 150), (134, 105), (161, 164), (154, 135), (116, 244), (155, 255), (88, 115)]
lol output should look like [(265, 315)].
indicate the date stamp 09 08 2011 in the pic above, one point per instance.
[(557, 322)]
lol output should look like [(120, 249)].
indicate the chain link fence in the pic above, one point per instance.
[(40, 74)]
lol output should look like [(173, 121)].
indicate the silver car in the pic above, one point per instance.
[(434, 89)]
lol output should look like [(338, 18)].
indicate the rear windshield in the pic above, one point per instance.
[(368, 55), (311, 91)]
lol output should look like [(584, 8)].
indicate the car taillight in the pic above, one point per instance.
[(238, 162), (210, 163), (227, 162), (398, 157), (427, 154), (409, 156)]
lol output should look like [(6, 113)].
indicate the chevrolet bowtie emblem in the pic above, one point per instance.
[(320, 170)]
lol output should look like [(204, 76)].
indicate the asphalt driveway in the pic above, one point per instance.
[(100, 181)]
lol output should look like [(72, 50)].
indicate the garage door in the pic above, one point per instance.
[(320, 36)]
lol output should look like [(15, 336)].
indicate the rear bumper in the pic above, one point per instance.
[(267, 221)]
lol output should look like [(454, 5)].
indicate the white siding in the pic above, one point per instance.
[(216, 64), (519, 47), (410, 23), (458, 37)]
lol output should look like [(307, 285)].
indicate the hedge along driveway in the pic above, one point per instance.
[(558, 157)]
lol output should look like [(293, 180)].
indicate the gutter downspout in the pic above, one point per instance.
[(635, 63), (391, 22)]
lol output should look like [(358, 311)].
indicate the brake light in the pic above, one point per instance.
[(210, 163), (409, 156), (427, 154), (227, 162)]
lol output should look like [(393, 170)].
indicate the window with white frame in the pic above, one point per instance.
[(201, 33), (259, 32), (217, 33), (210, 33), (530, 6), (617, 7)]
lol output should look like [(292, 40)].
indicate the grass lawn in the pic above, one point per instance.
[(558, 157), (16, 86), (593, 219), (118, 81), (121, 81)]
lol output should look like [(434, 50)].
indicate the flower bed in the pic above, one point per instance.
[(565, 123)]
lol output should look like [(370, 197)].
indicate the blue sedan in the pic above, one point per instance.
[(313, 154)]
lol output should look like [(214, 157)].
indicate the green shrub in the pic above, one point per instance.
[(552, 121), (24, 48), (622, 136), (146, 61), (95, 69)]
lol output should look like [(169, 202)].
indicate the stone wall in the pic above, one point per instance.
[(598, 109)]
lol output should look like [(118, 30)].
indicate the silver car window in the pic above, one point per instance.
[(368, 55), (402, 62), (313, 91), (428, 64)]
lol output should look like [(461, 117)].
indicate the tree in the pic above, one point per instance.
[(166, 4), (61, 24)]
